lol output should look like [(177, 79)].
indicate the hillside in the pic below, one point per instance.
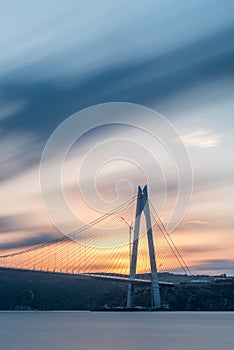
[(48, 291)]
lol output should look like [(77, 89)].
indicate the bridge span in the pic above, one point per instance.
[(102, 249)]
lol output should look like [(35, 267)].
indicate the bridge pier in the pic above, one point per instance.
[(130, 296)]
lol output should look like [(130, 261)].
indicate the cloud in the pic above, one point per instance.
[(205, 248), (19, 230), (201, 138), (8, 109), (158, 77), (198, 222), (40, 237), (218, 265), (19, 152)]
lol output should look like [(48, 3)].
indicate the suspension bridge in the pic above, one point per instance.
[(110, 248)]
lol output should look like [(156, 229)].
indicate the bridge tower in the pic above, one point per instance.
[(143, 207)]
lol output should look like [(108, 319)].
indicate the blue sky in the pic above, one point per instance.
[(174, 56)]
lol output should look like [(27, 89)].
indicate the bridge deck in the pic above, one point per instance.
[(124, 279), (102, 277)]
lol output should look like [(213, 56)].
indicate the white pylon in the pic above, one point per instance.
[(143, 206)]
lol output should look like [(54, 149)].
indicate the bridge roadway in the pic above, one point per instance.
[(100, 277), (124, 279)]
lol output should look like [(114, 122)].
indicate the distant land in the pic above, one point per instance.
[(30, 290)]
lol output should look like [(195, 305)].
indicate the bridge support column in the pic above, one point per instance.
[(154, 274), (130, 296), (139, 209), (143, 206)]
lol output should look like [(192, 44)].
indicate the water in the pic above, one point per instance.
[(115, 331)]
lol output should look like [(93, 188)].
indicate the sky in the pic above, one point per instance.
[(175, 57)]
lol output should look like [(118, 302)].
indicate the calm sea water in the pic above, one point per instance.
[(115, 331)]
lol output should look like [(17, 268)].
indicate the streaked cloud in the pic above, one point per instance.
[(216, 265), (8, 109), (201, 138), (198, 222)]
